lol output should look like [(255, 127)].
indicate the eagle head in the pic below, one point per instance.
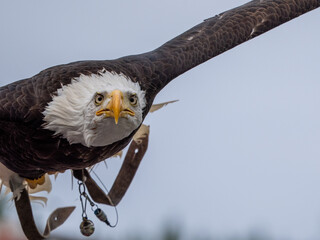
[(96, 110)]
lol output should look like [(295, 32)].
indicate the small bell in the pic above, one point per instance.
[(86, 227)]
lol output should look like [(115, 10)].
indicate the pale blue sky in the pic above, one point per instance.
[(239, 151)]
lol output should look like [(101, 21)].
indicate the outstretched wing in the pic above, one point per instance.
[(25, 99), (213, 37)]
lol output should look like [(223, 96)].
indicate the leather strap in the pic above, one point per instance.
[(24, 210), (136, 151)]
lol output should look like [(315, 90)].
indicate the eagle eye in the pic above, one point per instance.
[(98, 99), (133, 99)]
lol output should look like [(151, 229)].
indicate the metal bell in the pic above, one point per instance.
[(86, 227)]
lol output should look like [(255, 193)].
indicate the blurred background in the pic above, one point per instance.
[(237, 158)]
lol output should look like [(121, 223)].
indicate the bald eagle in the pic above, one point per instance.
[(75, 115)]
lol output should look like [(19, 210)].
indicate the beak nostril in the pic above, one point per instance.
[(116, 107)]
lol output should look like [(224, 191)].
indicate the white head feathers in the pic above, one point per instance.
[(71, 113)]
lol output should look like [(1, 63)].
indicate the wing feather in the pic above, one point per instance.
[(156, 107)]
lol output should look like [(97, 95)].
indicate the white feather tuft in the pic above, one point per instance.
[(8, 178)]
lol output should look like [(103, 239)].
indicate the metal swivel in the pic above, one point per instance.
[(101, 215)]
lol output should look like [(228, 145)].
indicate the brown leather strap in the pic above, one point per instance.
[(136, 151), (29, 227)]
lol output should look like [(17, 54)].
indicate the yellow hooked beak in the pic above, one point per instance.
[(116, 107)]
